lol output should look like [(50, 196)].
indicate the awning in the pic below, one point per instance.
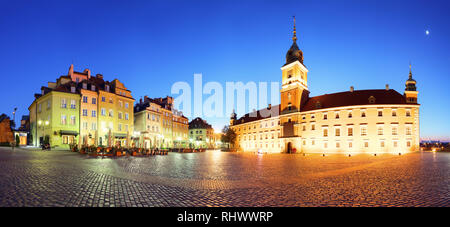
[(67, 132), (120, 135)]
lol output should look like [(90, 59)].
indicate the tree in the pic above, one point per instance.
[(228, 136), (17, 140)]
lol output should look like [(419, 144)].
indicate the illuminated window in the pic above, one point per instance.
[(380, 130), (363, 131), (382, 143), (380, 113), (325, 132), (338, 144), (85, 99), (325, 116), (408, 143), (394, 112), (350, 131), (395, 143), (363, 113), (394, 130), (338, 132), (366, 143), (408, 113), (72, 120), (313, 127), (350, 144), (325, 145), (408, 130), (350, 114)]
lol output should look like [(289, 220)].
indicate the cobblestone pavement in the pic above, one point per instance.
[(213, 178)]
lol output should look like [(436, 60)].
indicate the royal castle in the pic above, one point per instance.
[(354, 121)]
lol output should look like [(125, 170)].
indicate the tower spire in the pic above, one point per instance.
[(294, 38), (410, 73)]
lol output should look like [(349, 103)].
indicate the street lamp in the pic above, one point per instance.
[(14, 122)]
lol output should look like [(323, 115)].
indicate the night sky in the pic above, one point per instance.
[(150, 45)]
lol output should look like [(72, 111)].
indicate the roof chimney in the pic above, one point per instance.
[(88, 73), (70, 71), (270, 106), (140, 100), (352, 88), (387, 87)]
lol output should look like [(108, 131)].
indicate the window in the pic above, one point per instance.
[(303, 117), (382, 143), (408, 143), (65, 139), (394, 130), (72, 89), (312, 116), (48, 104), (94, 113), (63, 103), (325, 145), (103, 112), (126, 127), (111, 114), (85, 112), (338, 144), (350, 131), (350, 114), (120, 115), (304, 142), (107, 88), (325, 116), (93, 87), (350, 144), (72, 104), (126, 116), (85, 125), (94, 126), (72, 120), (337, 115), (408, 113), (380, 113), (126, 105), (103, 99), (120, 104), (110, 100), (304, 127), (325, 132), (94, 101), (395, 143), (84, 85), (313, 127), (338, 132), (380, 130), (363, 131), (85, 98), (39, 107), (366, 144), (363, 113), (120, 127), (408, 130), (394, 112), (63, 119)]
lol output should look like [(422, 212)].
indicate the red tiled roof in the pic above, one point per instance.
[(348, 98), (341, 99)]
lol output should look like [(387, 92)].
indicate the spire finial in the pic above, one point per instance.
[(410, 73), (295, 33)]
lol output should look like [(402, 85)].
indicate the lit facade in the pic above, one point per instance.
[(158, 125), (371, 121), (82, 109), (201, 134)]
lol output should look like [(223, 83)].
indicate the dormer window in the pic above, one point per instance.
[(107, 88), (72, 89), (372, 99), (93, 87), (84, 86), (318, 105)]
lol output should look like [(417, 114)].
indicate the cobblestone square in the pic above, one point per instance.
[(61, 178)]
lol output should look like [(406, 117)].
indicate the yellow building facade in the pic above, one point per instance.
[(354, 121)]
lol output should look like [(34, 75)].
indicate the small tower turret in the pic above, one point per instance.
[(233, 118), (410, 89)]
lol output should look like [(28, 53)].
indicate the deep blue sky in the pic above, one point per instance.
[(149, 45)]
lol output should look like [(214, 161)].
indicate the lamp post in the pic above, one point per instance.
[(14, 122)]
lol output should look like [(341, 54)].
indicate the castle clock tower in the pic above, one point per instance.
[(294, 82)]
